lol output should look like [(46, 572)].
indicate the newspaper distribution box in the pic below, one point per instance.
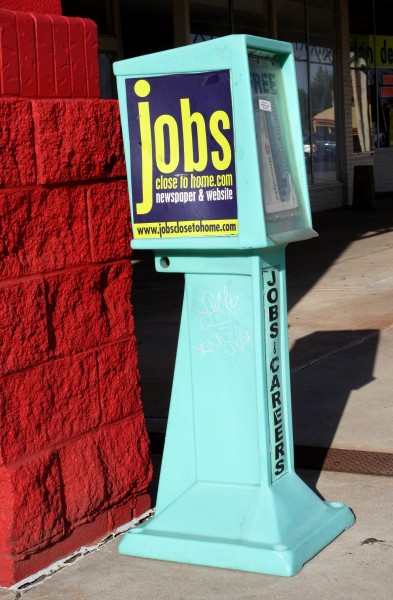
[(218, 188)]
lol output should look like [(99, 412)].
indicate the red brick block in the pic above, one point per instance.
[(9, 64), (7, 571), (47, 405), (83, 496), (16, 568), (61, 56), (20, 567), (77, 140), (142, 505), (23, 326), (45, 56), (109, 220), (38, 6), (48, 55), (25, 29), (89, 307), (6, 511), (17, 165), (116, 291), (119, 381), (77, 53), (43, 230), (77, 58), (124, 448), (133, 507), (32, 495)]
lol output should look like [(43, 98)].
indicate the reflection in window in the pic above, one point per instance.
[(310, 28), (362, 60), (361, 108), (371, 51), (323, 122)]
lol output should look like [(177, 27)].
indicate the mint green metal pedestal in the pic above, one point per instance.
[(228, 494)]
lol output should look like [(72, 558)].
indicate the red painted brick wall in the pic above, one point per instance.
[(36, 6), (74, 455), (47, 56)]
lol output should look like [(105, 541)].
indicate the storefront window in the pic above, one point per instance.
[(362, 60), (251, 16), (98, 10), (147, 27), (371, 53), (384, 74), (291, 27), (222, 17), (310, 27), (209, 20), (322, 90)]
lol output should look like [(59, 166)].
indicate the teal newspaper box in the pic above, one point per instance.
[(218, 188)]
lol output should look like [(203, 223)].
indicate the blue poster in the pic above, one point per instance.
[(183, 176)]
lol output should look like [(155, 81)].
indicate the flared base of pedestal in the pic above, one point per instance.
[(241, 528)]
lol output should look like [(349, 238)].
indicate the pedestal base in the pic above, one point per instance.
[(228, 494), (241, 527)]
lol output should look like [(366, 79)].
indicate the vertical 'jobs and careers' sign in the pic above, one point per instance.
[(182, 155)]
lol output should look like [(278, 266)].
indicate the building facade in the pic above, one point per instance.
[(344, 62)]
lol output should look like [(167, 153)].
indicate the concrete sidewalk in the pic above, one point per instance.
[(341, 332), (357, 565), (340, 306)]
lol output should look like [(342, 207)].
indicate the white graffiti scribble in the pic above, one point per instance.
[(228, 341), (218, 317), (218, 309)]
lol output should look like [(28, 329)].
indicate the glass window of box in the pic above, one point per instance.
[(309, 26), (371, 54)]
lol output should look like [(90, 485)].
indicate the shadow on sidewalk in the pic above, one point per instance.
[(326, 367)]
